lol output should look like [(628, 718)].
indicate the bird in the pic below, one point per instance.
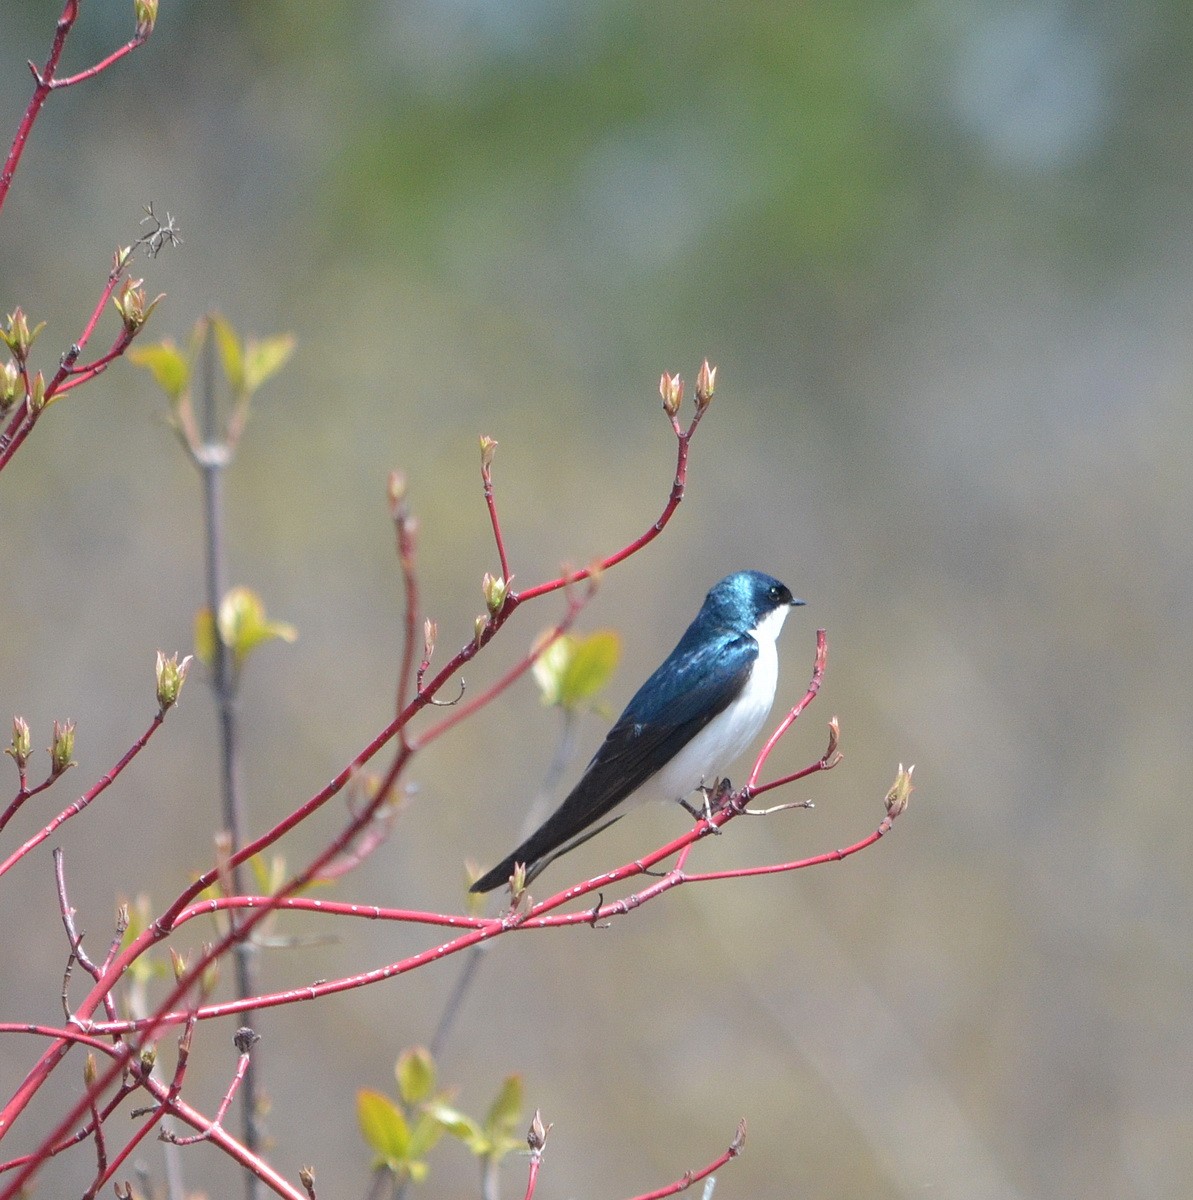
[(698, 711)]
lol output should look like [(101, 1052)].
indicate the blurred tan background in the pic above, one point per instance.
[(942, 256)]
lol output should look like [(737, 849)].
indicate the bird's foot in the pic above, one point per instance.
[(712, 800)]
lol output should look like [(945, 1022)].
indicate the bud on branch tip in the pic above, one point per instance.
[(671, 389), (22, 743), (495, 590), (706, 382), (145, 12), (17, 335), (130, 304), (171, 675), (62, 747), (900, 793)]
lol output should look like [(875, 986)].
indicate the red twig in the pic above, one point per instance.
[(678, 488), (66, 378), (101, 1149), (479, 929), (205, 1135), (536, 1139), (85, 799), (405, 528), (462, 712), (532, 1176), (86, 373), (91, 72), (45, 81), (690, 1177), (24, 794), (792, 716), (82, 1135), (70, 14), (488, 445), (75, 938), (60, 1033)]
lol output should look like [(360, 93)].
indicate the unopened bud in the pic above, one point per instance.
[(671, 389), (706, 382), (130, 304), (306, 1176), (37, 393), (833, 755), (17, 335), (430, 636), (90, 1068), (177, 964), (518, 881), (62, 747), (396, 492), (171, 675), (245, 1039), (900, 793), (148, 1058), (536, 1135), (488, 446), (478, 630), (22, 744), (145, 12), (211, 973), (739, 1138), (12, 387), (495, 590)]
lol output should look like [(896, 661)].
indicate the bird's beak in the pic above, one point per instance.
[(798, 603)]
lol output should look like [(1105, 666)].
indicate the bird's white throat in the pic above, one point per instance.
[(713, 750)]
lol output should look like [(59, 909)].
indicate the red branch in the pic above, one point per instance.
[(26, 793), (68, 376), (790, 719), (690, 1177), (479, 929), (684, 438), (123, 1058), (45, 82), (405, 528), (164, 925), (487, 448), (85, 799)]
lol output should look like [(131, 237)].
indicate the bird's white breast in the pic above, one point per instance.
[(713, 750)]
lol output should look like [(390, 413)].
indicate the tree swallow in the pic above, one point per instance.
[(689, 720)]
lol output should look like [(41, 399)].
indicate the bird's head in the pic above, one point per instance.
[(750, 601)]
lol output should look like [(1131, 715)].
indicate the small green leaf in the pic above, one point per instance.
[(416, 1074), (264, 359), (459, 1125), (426, 1132), (505, 1114), (593, 661), (383, 1127), (243, 625), (550, 666), (205, 637), (170, 369), (231, 355), (268, 873), (571, 670)]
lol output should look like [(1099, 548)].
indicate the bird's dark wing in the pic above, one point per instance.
[(694, 684)]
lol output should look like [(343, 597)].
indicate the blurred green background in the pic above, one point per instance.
[(942, 256)]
